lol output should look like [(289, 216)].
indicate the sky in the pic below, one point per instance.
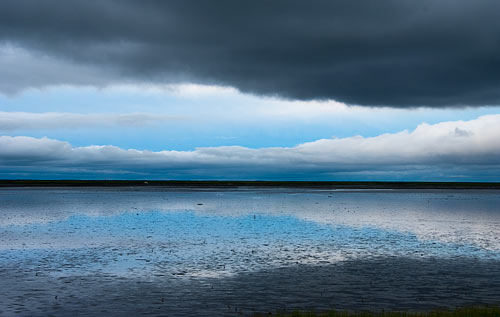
[(389, 90)]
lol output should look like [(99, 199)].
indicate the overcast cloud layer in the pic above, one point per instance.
[(467, 150), (11, 121), (389, 52)]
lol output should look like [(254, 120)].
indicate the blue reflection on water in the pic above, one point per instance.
[(188, 243)]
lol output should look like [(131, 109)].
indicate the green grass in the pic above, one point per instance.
[(460, 312)]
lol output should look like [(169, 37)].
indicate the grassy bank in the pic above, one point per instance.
[(460, 312)]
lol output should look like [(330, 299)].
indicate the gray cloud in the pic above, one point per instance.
[(11, 121), (389, 52), (429, 152), (23, 69)]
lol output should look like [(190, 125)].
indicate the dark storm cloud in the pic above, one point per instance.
[(387, 52)]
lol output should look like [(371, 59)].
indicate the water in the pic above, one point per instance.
[(115, 251)]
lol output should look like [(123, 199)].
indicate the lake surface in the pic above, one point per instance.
[(230, 252)]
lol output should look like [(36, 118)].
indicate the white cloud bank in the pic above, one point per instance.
[(10, 121), (466, 150)]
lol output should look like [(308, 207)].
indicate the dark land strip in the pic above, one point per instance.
[(255, 184)]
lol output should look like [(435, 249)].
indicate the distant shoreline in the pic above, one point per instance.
[(256, 184)]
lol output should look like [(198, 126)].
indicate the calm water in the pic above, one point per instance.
[(230, 252)]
